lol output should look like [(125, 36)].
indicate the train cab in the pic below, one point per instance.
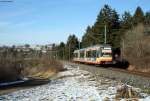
[(105, 55)]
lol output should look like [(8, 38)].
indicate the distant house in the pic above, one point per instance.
[(22, 48)]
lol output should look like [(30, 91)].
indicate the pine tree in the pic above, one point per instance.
[(114, 36), (147, 23), (110, 18), (88, 38), (61, 48), (103, 19), (127, 21), (138, 16), (147, 18), (72, 44)]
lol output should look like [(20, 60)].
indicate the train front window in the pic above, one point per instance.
[(106, 55)]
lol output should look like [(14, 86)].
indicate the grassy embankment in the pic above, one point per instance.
[(40, 68)]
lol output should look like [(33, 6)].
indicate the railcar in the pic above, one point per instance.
[(98, 54)]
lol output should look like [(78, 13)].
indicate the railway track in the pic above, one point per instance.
[(112, 68), (134, 78), (130, 72)]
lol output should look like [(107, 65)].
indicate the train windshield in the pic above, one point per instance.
[(106, 55)]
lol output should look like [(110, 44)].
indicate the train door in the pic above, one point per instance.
[(93, 55), (88, 55)]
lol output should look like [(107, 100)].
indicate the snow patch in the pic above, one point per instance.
[(71, 85)]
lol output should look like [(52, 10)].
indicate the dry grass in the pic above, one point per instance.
[(125, 91), (42, 68)]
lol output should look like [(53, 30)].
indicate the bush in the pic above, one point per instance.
[(9, 70)]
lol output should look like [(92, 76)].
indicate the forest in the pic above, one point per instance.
[(128, 34)]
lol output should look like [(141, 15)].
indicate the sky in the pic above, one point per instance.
[(52, 21)]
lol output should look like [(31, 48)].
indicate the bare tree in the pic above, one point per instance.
[(136, 47)]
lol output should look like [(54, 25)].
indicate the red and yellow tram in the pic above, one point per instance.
[(98, 54)]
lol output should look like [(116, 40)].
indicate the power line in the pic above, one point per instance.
[(5, 1), (139, 2)]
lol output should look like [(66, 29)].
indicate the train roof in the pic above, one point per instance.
[(99, 46), (82, 49), (93, 47)]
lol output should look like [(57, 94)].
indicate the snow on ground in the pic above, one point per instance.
[(70, 85)]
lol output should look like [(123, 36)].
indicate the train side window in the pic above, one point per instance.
[(94, 54), (88, 54), (100, 53), (82, 54), (97, 53)]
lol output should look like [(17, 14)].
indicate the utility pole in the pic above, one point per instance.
[(79, 44), (122, 48), (105, 35), (69, 51), (63, 54)]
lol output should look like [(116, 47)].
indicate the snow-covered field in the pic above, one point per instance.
[(71, 85)]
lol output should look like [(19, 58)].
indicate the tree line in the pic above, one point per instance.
[(116, 25)]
